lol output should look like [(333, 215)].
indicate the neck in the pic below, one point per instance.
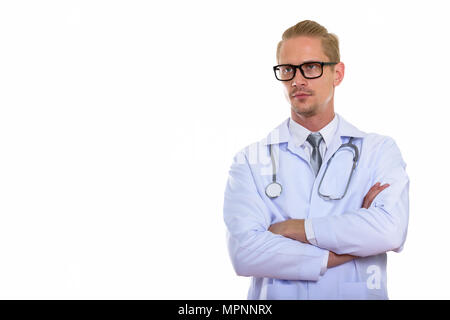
[(313, 122)]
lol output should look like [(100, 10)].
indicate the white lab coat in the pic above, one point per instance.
[(282, 268)]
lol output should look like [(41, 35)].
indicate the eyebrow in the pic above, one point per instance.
[(311, 60), (306, 61)]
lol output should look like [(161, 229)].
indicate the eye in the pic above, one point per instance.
[(286, 69), (311, 66)]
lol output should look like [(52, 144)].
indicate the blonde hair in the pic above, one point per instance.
[(330, 42)]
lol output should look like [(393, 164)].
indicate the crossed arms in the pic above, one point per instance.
[(258, 248), (295, 228)]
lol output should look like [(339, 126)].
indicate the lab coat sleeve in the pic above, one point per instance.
[(255, 251), (382, 227)]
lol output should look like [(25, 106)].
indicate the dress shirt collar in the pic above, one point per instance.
[(281, 133), (300, 133)]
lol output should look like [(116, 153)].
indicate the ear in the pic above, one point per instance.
[(339, 71)]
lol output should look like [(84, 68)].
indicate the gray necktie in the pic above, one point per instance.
[(316, 160)]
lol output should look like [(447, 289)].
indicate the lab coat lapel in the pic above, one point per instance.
[(281, 134), (335, 144), (297, 150), (345, 129)]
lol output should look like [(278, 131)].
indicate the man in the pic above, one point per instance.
[(318, 236)]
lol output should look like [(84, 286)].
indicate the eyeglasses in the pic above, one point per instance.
[(309, 70)]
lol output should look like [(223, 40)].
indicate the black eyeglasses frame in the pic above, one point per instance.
[(299, 67)]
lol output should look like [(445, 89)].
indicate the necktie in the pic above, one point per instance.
[(316, 160)]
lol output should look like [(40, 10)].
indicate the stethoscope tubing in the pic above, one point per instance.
[(274, 189)]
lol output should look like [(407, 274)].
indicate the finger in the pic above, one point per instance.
[(370, 192), (373, 190), (375, 187), (381, 188), (366, 202), (373, 194)]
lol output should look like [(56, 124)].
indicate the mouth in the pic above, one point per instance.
[(301, 95)]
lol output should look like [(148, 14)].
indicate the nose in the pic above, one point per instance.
[(298, 80)]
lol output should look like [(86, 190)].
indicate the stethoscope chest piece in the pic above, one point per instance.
[(273, 190)]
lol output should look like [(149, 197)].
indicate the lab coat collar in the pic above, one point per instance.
[(281, 133), (346, 129)]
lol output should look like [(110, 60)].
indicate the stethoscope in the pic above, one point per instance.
[(274, 189)]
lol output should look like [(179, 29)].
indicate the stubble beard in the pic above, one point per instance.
[(306, 111)]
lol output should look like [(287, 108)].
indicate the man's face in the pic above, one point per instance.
[(309, 97)]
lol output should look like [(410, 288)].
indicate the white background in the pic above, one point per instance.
[(119, 121)]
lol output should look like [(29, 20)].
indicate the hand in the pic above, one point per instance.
[(292, 228), (372, 193)]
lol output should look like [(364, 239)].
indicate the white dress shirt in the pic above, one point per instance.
[(300, 134)]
